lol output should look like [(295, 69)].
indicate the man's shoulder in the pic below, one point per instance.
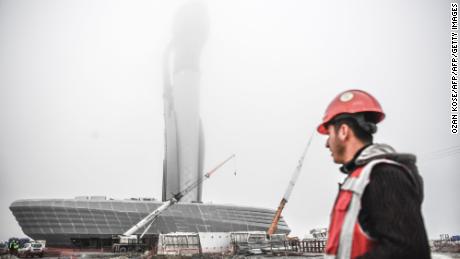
[(395, 165), (390, 170), (397, 176)]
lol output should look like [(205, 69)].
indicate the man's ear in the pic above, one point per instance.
[(343, 132)]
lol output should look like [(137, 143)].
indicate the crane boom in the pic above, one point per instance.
[(202, 179), (154, 214), (151, 217), (276, 218), (297, 170)]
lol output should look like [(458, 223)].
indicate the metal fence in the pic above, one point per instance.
[(308, 246)]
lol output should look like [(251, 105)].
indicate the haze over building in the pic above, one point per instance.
[(184, 142)]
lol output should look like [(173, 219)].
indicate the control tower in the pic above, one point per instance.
[(184, 143)]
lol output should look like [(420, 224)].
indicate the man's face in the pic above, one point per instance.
[(335, 144)]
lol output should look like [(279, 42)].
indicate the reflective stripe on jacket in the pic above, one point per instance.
[(346, 239)]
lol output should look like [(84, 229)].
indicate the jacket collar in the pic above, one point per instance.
[(366, 154)]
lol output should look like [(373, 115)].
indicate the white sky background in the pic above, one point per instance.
[(81, 107)]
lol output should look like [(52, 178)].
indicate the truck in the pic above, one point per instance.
[(129, 241), (4, 248)]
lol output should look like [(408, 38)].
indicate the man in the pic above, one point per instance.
[(14, 247), (377, 213)]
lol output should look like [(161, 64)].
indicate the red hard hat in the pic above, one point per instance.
[(351, 101)]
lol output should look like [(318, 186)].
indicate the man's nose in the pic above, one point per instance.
[(327, 143)]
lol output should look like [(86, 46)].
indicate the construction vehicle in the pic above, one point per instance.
[(3, 248), (129, 241), (319, 233), (276, 218)]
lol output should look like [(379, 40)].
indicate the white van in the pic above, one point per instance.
[(31, 250)]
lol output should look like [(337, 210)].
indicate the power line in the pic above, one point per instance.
[(441, 153)]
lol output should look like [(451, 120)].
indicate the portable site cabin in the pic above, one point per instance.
[(190, 243), (179, 243)]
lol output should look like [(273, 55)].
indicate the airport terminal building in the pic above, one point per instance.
[(92, 221)]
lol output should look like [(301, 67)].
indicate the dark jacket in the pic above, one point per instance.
[(391, 205)]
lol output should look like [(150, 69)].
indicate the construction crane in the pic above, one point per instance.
[(129, 241), (274, 225), (176, 197)]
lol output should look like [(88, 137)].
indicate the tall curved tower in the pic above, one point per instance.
[(184, 143)]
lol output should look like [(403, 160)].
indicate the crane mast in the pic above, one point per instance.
[(276, 218)]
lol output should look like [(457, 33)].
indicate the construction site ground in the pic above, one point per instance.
[(98, 255)]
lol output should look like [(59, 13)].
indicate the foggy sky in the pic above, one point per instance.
[(81, 106)]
